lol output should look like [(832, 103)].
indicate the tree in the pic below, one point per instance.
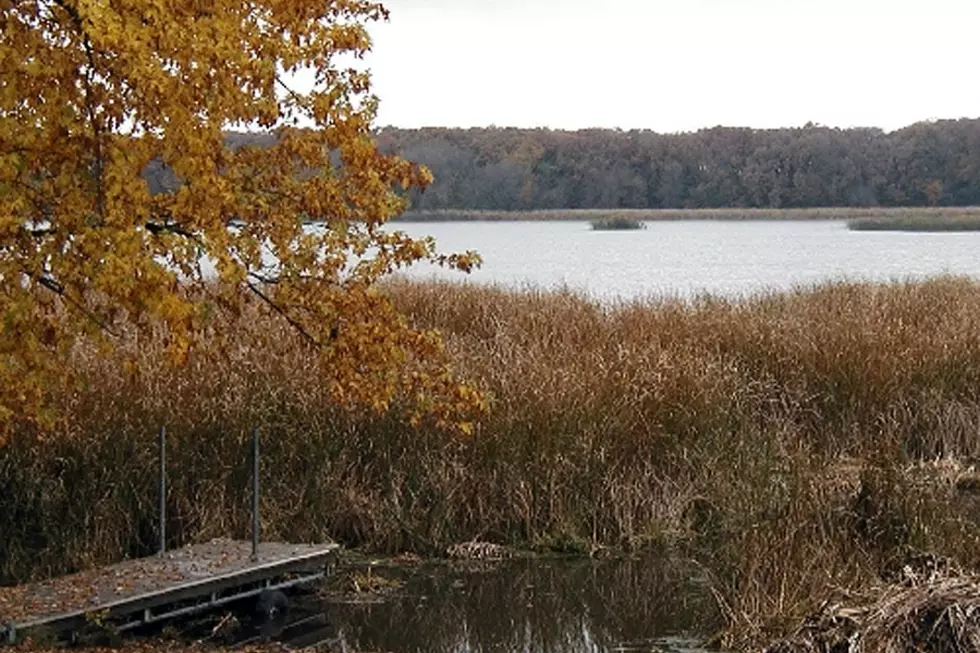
[(718, 167), (934, 192), (92, 92)]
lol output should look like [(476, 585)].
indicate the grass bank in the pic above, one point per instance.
[(791, 443), (918, 222), (641, 215)]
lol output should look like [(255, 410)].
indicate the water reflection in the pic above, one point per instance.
[(530, 606)]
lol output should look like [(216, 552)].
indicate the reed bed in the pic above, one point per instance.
[(918, 222), (790, 443), (940, 613), (815, 213)]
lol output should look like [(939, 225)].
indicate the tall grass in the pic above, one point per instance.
[(918, 222), (790, 443)]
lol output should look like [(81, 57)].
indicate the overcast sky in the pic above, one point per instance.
[(676, 65)]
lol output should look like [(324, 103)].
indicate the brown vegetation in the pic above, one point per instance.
[(791, 443), (940, 614), (919, 221)]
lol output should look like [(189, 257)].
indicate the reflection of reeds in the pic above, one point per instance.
[(533, 606), (773, 439)]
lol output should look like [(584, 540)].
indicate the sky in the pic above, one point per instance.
[(675, 65)]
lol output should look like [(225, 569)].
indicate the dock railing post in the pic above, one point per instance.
[(163, 491), (255, 494)]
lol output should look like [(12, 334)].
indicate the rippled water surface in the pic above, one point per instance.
[(683, 258)]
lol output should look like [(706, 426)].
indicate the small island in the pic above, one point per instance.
[(617, 223)]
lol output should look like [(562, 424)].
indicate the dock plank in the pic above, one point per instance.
[(196, 568)]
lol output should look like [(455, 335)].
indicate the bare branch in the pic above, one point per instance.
[(296, 96), (157, 228), (40, 233), (261, 278)]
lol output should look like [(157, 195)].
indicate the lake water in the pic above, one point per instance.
[(520, 606), (684, 258), (648, 604)]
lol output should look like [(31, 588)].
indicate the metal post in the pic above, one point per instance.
[(255, 494), (163, 491)]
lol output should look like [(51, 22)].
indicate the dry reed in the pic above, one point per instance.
[(940, 614), (928, 222), (790, 443)]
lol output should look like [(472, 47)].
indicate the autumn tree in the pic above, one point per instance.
[(92, 92)]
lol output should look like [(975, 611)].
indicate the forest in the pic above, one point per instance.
[(925, 164)]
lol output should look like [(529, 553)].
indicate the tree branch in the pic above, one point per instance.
[(293, 94), (40, 233), (261, 278), (279, 309), (58, 289), (97, 129), (157, 228)]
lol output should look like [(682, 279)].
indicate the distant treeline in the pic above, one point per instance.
[(925, 164), (510, 169)]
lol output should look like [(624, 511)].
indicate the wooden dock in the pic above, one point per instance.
[(146, 590)]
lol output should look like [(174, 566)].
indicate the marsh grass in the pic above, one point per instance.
[(790, 443), (928, 222), (617, 223)]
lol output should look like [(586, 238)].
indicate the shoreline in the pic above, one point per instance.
[(727, 214)]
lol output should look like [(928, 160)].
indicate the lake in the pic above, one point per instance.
[(686, 257), (519, 606)]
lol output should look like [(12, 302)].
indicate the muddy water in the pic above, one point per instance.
[(527, 606)]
